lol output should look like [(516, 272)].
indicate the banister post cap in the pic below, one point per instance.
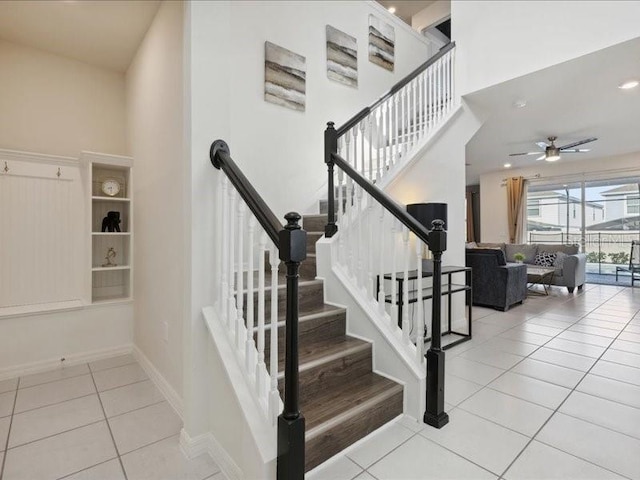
[(330, 126), (437, 237), (293, 240)]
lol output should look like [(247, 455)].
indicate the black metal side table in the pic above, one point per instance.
[(448, 289)]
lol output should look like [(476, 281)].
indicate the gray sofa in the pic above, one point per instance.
[(571, 273)]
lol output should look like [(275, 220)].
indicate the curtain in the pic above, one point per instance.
[(515, 217), (473, 213), (470, 232)]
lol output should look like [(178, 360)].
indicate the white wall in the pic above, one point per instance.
[(55, 105), (497, 41), (281, 150), (493, 196), (155, 116), (432, 14)]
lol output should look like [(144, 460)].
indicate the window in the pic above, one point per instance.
[(633, 205), (533, 208)]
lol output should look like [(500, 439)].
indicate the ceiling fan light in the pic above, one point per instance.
[(552, 154)]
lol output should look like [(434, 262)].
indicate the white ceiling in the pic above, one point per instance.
[(573, 100), (405, 9), (105, 33)]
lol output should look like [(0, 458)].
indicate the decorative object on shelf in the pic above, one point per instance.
[(110, 187), (382, 43), (519, 257), (6, 167), (284, 77), (342, 57), (111, 254), (111, 223)]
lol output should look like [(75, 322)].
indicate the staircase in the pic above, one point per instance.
[(341, 398)]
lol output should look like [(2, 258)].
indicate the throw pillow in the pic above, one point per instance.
[(560, 257), (545, 259)]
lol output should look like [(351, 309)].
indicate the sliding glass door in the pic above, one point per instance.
[(602, 216)]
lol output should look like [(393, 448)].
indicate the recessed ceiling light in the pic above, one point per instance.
[(507, 165), (629, 84), (392, 9), (520, 103)]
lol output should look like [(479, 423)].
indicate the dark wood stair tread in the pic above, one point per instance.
[(324, 351), (327, 410)]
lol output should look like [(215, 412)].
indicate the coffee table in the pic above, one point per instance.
[(539, 276)]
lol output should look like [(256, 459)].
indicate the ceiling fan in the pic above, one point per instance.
[(552, 153)]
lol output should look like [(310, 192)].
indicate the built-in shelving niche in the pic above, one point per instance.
[(111, 281)]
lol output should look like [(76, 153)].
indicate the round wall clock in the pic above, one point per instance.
[(111, 187)]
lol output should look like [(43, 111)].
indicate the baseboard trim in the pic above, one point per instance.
[(206, 443), (160, 382), (69, 360)]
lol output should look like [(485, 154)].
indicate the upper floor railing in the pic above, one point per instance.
[(384, 134), (249, 230)]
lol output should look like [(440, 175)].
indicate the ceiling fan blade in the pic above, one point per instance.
[(542, 157), (575, 144), (523, 153), (577, 150), (542, 145)]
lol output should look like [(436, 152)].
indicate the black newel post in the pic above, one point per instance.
[(290, 463), (435, 414), (330, 147)]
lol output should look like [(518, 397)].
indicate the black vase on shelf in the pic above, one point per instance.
[(111, 223)]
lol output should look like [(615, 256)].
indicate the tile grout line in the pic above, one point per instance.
[(560, 406), (115, 446), (83, 396), (6, 446)]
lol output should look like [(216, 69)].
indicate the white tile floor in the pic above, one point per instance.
[(99, 421), (547, 390)]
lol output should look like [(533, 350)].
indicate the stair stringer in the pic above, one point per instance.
[(392, 358)]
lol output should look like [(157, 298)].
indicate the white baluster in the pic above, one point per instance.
[(362, 150), (445, 61), (440, 90), (432, 96), (389, 132), (240, 328), (274, 395), (231, 320), (385, 135), (347, 146), (342, 224), (453, 75), (262, 250), (224, 302), (394, 269), (369, 246), (381, 255), (403, 126), (396, 127), (425, 101), (406, 326), (414, 108), (355, 148), (419, 105), (250, 345), (369, 121), (420, 309), (359, 247), (380, 141)]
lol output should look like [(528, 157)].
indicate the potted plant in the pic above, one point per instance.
[(519, 257)]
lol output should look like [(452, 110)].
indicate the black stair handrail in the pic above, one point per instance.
[(291, 242), (221, 159), (353, 121), (436, 240)]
